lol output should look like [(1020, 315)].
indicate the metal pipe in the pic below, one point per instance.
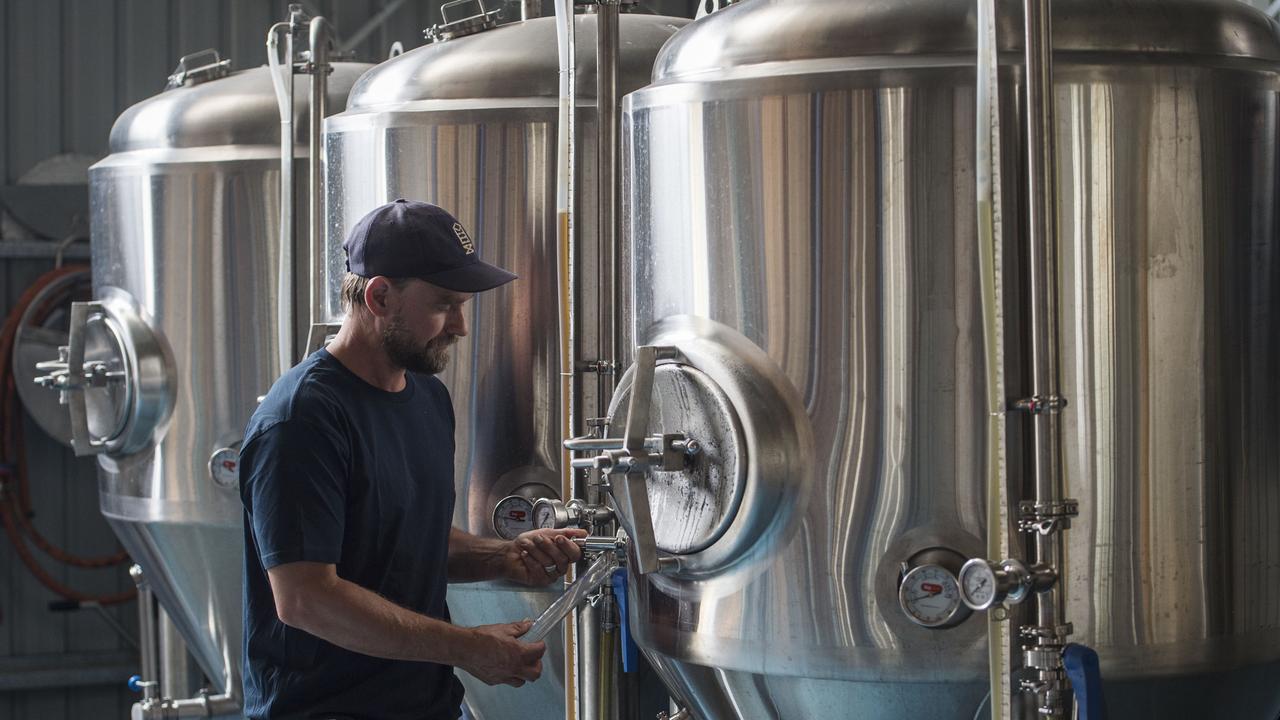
[(321, 44), (175, 671), (150, 667), (589, 671), (530, 9), (607, 174), (1043, 240), (282, 82)]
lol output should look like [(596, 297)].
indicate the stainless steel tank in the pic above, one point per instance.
[(181, 339), (471, 124), (799, 181)]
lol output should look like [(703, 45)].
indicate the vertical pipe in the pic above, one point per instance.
[(1043, 220), (607, 173), (588, 663), (175, 671), (150, 667), (1043, 227), (565, 162), (530, 9), (282, 81), (321, 42), (1002, 641)]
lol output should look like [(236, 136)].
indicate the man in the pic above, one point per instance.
[(347, 483)]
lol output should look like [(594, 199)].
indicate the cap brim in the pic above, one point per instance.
[(473, 278)]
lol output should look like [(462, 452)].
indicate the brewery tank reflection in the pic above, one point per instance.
[(186, 247), (799, 213), (469, 122)]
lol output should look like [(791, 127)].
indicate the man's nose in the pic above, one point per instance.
[(458, 322)]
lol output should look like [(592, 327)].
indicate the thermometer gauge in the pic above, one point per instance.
[(930, 597), (512, 516)]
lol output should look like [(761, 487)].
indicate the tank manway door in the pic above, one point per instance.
[(112, 376), (725, 448)]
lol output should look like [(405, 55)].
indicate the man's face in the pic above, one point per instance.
[(424, 322)]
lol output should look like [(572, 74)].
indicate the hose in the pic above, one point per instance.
[(15, 507)]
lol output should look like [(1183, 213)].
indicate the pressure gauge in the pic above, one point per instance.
[(978, 582), (930, 596), (512, 516), (550, 513)]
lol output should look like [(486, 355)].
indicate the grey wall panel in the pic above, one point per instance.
[(144, 56), (88, 76), (33, 68)]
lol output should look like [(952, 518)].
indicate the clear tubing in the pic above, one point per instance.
[(597, 574), (990, 233), (282, 82), (567, 52)]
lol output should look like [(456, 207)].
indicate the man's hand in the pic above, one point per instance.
[(540, 557), (495, 655)]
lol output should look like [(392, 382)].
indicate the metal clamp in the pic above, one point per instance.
[(190, 73), (460, 27), (1038, 404), (1046, 517), (70, 376)]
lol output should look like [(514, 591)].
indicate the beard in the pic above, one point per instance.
[(429, 358)]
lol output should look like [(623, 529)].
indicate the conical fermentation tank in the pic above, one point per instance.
[(470, 124), (182, 338), (799, 189)]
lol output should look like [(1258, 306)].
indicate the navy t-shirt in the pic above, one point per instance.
[(334, 470)]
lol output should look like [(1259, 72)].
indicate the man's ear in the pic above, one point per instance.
[(377, 295)]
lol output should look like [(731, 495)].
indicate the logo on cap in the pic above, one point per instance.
[(464, 238)]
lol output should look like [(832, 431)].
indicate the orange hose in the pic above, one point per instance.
[(10, 529), (15, 509)]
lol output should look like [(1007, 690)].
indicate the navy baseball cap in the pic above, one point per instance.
[(406, 238)]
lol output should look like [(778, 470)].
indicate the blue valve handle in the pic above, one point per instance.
[(630, 652), (133, 683), (1081, 664)]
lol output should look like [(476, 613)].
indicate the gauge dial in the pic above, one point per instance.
[(978, 584), (548, 513), (512, 516), (930, 596)]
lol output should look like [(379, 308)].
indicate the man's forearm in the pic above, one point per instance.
[(354, 618), (473, 558)]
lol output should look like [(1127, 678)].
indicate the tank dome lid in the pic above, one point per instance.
[(238, 109), (518, 60), (755, 32)]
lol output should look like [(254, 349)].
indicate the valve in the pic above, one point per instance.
[(984, 584)]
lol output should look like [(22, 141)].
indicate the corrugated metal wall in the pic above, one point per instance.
[(69, 67)]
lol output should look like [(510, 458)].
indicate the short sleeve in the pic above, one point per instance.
[(294, 487)]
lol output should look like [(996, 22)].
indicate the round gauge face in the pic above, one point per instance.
[(930, 596), (512, 516), (978, 583), (544, 514)]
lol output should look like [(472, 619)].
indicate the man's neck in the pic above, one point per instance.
[(359, 349)]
